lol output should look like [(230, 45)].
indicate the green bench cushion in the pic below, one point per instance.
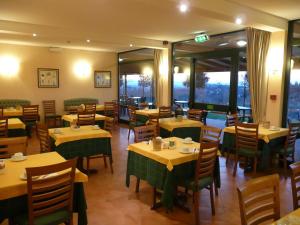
[(6, 103), (74, 102)]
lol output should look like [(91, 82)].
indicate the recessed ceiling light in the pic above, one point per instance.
[(34, 34), (241, 43), (183, 7), (131, 45), (238, 21), (223, 44), (88, 40)]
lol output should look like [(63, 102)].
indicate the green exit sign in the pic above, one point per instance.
[(200, 38)]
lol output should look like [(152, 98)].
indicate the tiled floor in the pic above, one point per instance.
[(110, 202)]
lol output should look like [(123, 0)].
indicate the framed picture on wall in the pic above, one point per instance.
[(102, 79), (48, 78)]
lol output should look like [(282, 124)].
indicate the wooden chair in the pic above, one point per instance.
[(231, 120), (30, 117), (44, 138), (259, 200), (109, 109), (143, 105), (132, 119), (116, 113), (90, 108), (288, 151), (154, 120), (194, 114), (50, 198), (50, 112), (1, 112), (3, 127), (204, 175), (246, 136), (84, 118), (12, 145), (108, 126), (295, 183), (165, 112), (210, 134)]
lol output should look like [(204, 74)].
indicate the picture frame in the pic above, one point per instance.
[(48, 78), (102, 79)]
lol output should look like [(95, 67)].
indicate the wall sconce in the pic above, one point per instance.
[(82, 69), (9, 66)]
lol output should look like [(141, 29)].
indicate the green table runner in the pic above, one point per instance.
[(182, 132), (157, 175), (266, 148), (18, 205)]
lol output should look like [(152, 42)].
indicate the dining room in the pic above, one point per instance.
[(149, 112)]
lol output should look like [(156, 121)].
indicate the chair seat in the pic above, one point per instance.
[(136, 124), (248, 153), (202, 183), (282, 151), (52, 116), (50, 219)]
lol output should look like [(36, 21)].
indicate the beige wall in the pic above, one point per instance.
[(275, 71), (24, 84)]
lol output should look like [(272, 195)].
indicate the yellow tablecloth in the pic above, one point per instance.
[(168, 157), (171, 123), (99, 107), (12, 112), (292, 218), (84, 132), (71, 117), (149, 112), (263, 133), (15, 123), (12, 186)]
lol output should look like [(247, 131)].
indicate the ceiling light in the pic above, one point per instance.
[(224, 44), (131, 45), (121, 60), (34, 34), (238, 21), (183, 7), (88, 40), (241, 43)]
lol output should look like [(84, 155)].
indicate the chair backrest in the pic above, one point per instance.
[(84, 118), (259, 200), (210, 134), (90, 108), (231, 120), (132, 113), (50, 194), (30, 113), (143, 105), (44, 138), (109, 109), (206, 160), (165, 112), (292, 136), (144, 133), (194, 114), (1, 112), (246, 136), (3, 127), (14, 144), (109, 124), (49, 107), (295, 183)]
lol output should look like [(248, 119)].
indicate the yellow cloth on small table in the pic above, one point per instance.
[(148, 112), (293, 218), (84, 132), (71, 117), (15, 123), (11, 184), (263, 133), (10, 112), (171, 123), (99, 107)]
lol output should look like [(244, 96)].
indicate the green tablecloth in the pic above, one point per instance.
[(142, 118), (182, 132), (157, 175), (16, 132), (83, 148), (18, 205), (266, 148), (100, 123)]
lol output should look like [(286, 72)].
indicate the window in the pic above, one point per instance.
[(181, 80)]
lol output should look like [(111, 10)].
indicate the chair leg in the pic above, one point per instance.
[(235, 164), (196, 206), (137, 186), (212, 201), (154, 197), (111, 165), (216, 188), (104, 160), (88, 163)]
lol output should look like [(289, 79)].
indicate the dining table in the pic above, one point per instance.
[(180, 127), (69, 118), (293, 218), (143, 115), (166, 168), (269, 138), (16, 128), (13, 192), (81, 142), (100, 109)]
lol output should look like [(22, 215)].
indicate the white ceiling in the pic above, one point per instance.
[(112, 25)]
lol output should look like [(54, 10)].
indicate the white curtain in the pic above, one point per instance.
[(158, 80)]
